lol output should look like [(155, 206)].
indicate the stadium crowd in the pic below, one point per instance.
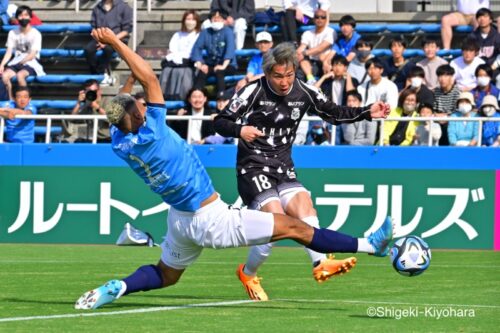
[(342, 65)]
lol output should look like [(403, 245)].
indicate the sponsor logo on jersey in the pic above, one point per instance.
[(295, 103), (236, 104), (295, 113), (267, 103)]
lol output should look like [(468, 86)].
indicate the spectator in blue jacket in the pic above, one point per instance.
[(345, 46), (113, 14), (264, 42), (491, 129), (220, 59), (485, 85), (19, 130), (463, 133)]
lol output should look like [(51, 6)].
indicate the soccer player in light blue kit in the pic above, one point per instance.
[(197, 218)]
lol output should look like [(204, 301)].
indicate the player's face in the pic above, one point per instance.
[(281, 78), (141, 105), (197, 99), (22, 99)]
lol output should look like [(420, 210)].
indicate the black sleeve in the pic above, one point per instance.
[(226, 121), (333, 113)]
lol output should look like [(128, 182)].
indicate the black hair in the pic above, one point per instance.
[(470, 44), (430, 40), (90, 82), (425, 105), (445, 70), (21, 9), (484, 12), (192, 90), (397, 40), (214, 12), (338, 59), (416, 71), (140, 95), (354, 93), (22, 88), (363, 42), (486, 68), (347, 19), (375, 62)]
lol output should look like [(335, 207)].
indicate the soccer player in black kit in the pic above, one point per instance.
[(265, 115)]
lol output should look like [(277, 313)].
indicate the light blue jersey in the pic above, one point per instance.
[(20, 130), (167, 164)]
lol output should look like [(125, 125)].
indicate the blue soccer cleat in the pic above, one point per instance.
[(107, 293), (381, 238)]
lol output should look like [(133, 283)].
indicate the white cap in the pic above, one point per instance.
[(263, 36)]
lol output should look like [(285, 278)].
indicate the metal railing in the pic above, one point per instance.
[(96, 118)]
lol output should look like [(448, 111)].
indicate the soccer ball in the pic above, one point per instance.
[(410, 256)]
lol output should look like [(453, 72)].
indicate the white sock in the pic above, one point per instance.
[(256, 257), (122, 290), (315, 256), (364, 246)]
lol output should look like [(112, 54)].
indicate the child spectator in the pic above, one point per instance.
[(264, 42), (396, 68), (425, 128), (347, 41), (336, 83), (487, 36), (360, 133), (465, 65), (431, 62), (357, 66), (378, 88), (484, 75), (416, 79), (19, 130)]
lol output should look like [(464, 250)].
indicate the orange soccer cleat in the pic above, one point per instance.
[(252, 285)]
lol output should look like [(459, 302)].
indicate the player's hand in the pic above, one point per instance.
[(250, 133), (380, 110), (104, 35)]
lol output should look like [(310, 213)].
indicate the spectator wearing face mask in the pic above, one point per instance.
[(214, 53), (484, 87), (357, 66), (463, 133), (402, 133), (491, 129), (416, 80)]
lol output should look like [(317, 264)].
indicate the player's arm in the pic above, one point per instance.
[(129, 85), (140, 68), (335, 114), (225, 123)]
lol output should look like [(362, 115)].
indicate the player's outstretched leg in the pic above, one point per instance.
[(107, 293), (380, 239)]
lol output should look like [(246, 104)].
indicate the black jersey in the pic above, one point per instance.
[(277, 117)]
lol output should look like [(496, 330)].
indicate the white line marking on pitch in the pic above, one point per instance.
[(111, 313), (384, 303)]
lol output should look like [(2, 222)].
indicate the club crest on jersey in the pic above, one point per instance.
[(236, 104), (295, 113)]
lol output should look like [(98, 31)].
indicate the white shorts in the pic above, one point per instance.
[(217, 225)]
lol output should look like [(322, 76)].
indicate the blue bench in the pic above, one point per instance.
[(56, 28), (42, 130), (62, 78), (69, 104)]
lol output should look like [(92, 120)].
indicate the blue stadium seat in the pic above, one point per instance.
[(430, 27), (381, 52), (410, 53), (56, 28), (175, 104), (370, 28), (270, 29), (403, 28), (464, 28), (247, 52), (454, 53), (62, 78), (227, 79)]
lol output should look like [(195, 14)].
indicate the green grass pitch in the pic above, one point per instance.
[(40, 283)]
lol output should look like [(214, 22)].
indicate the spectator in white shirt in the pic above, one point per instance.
[(299, 12), (314, 45), (177, 74), (465, 66), (378, 88)]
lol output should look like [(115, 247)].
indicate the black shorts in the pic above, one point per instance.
[(256, 187), (18, 67)]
